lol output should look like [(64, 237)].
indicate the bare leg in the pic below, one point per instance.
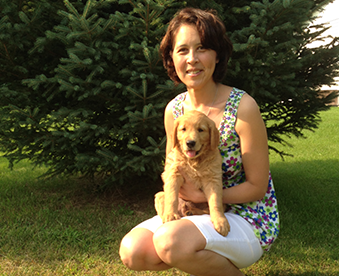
[(180, 244), (137, 251)]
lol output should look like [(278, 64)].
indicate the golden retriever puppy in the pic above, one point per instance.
[(195, 150)]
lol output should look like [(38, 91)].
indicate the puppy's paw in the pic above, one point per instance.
[(221, 225), (169, 217)]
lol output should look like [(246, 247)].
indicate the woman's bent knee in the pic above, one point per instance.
[(126, 253), (137, 251), (177, 242), (133, 249), (164, 244)]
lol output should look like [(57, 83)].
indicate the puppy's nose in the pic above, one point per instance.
[(190, 144)]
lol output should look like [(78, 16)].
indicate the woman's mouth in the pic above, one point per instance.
[(193, 72)]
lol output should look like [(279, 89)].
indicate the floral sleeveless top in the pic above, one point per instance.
[(262, 214)]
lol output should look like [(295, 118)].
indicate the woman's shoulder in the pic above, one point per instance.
[(174, 107), (169, 110), (249, 115), (247, 105)]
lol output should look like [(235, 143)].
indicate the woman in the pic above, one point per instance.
[(196, 50)]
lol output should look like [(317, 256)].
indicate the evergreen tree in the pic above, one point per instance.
[(83, 89), (99, 107), (273, 62)]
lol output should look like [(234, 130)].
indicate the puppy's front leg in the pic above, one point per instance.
[(171, 190), (213, 192), (159, 202)]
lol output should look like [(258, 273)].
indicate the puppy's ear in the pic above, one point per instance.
[(174, 133), (214, 135)]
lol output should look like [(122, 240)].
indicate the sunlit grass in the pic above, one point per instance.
[(62, 227)]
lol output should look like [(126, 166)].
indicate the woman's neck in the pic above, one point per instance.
[(200, 99)]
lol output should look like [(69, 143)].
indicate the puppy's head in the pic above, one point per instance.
[(194, 134)]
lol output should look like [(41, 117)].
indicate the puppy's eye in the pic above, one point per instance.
[(200, 130), (183, 129)]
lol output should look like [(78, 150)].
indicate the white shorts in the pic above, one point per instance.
[(240, 246)]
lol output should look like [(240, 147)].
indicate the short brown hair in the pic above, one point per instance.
[(213, 36)]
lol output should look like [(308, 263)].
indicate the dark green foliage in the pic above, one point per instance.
[(83, 89), (272, 61)]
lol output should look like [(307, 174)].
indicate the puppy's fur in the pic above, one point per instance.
[(195, 150)]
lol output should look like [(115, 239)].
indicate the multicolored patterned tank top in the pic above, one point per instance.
[(262, 214)]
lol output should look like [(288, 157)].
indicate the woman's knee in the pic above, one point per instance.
[(126, 251), (177, 241), (133, 250), (164, 243)]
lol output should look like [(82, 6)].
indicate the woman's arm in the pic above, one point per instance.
[(254, 149), (169, 123)]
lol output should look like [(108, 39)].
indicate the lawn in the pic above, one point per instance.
[(63, 227)]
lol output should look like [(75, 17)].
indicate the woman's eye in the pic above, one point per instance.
[(182, 50)]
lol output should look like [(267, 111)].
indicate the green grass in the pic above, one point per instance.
[(62, 227)]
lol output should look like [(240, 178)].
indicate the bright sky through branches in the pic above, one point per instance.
[(330, 16)]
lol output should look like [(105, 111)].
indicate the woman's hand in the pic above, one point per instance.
[(188, 191)]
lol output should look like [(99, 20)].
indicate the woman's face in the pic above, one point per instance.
[(193, 64)]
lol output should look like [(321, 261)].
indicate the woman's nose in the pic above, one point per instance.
[(192, 57)]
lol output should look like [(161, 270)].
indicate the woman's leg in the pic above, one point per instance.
[(137, 251), (180, 244)]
